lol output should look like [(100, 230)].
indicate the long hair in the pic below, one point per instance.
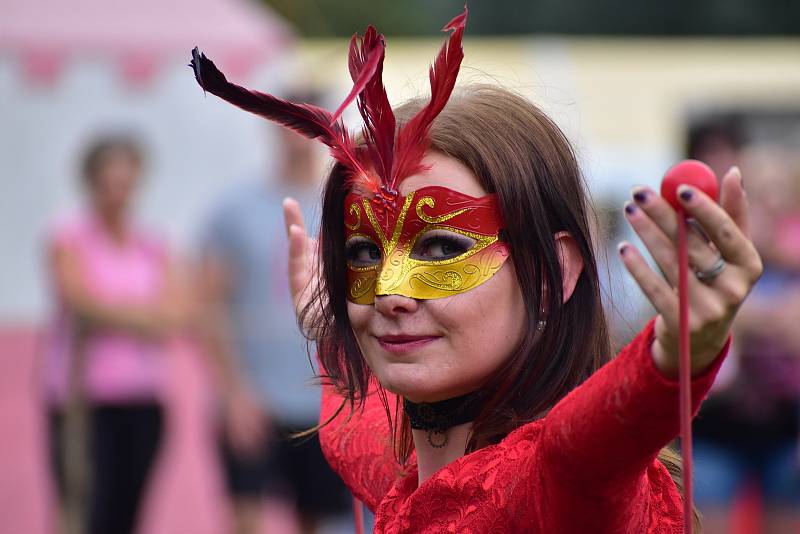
[(519, 154)]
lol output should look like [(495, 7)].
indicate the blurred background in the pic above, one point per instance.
[(102, 125)]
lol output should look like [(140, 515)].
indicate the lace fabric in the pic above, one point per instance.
[(589, 466)]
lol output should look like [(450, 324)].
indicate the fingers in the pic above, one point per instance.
[(299, 272), (723, 230), (656, 241), (649, 221), (734, 200), (292, 214), (655, 288), (659, 213)]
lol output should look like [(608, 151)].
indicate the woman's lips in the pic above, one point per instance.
[(402, 344)]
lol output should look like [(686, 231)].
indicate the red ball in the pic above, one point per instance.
[(688, 172)]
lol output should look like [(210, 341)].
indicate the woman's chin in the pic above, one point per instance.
[(410, 386)]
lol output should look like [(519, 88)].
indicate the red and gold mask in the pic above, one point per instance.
[(432, 243)]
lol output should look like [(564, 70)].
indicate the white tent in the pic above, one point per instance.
[(72, 69)]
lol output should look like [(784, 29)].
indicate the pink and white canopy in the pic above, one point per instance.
[(138, 36)]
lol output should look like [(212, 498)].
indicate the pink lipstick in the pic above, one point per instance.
[(403, 344)]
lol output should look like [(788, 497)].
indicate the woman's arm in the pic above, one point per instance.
[(713, 303), (600, 441), (246, 419), (154, 320), (359, 448)]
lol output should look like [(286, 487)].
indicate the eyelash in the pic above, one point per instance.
[(459, 244), (355, 246)]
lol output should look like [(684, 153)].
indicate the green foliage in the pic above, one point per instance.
[(323, 18)]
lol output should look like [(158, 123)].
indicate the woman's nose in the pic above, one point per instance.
[(395, 304)]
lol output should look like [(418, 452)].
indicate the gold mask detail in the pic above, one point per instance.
[(432, 243)]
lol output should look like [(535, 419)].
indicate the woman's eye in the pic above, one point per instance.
[(362, 252), (441, 245)]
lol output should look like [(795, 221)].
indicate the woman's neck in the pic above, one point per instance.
[(114, 223), (431, 458)]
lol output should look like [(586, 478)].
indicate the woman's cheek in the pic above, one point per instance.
[(359, 317)]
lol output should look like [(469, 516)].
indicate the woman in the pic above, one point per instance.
[(116, 302), (458, 318)]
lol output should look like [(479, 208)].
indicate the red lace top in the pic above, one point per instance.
[(589, 466)]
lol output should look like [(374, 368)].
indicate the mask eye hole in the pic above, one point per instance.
[(436, 245), (362, 252)]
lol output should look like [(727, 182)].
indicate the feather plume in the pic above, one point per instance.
[(373, 104), (306, 119), (389, 156), (412, 140), (369, 62)]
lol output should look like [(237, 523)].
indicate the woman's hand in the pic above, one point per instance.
[(302, 260), (713, 303)]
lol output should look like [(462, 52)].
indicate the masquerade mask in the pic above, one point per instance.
[(432, 243)]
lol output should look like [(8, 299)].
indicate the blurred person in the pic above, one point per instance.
[(116, 301), (716, 140), (746, 435), (251, 332), (776, 202)]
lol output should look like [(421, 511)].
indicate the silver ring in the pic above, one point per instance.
[(712, 272)]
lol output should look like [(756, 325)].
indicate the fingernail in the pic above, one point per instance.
[(630, 208), (687, 194), (622, 248), (738, 171), (640, 197)]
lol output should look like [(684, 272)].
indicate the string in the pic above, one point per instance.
[(684, 370), (358, 515)]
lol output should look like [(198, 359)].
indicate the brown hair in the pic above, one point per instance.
[(98, 152), (519, 154)]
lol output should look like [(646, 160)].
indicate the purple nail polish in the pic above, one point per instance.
[(686, 195), (630, 209), (623, 249), (640, 197)]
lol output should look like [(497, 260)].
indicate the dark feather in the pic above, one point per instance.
[(309, 120)]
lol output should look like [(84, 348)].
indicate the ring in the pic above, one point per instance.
[(712, 272)]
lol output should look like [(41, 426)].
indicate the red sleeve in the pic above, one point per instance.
[(600, 440), (359, 449)]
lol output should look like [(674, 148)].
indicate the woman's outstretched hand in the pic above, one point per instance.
[(713, 302), (302, 259)]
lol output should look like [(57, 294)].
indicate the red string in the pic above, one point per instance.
[(358, 514), (685, 371)]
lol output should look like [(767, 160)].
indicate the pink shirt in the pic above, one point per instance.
[(119, 367)]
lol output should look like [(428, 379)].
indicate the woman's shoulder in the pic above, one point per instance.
[(665, 504), (65, 229)]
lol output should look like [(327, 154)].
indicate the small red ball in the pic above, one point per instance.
[(688, 172)]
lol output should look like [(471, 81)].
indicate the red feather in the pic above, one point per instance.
[(412, 140), (369, 62), (373, 104), (306, 119)]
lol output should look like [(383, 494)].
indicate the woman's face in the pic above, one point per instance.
[(430, 350), (111, 188)]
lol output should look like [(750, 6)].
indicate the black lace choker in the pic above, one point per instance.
[(438, 417)]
